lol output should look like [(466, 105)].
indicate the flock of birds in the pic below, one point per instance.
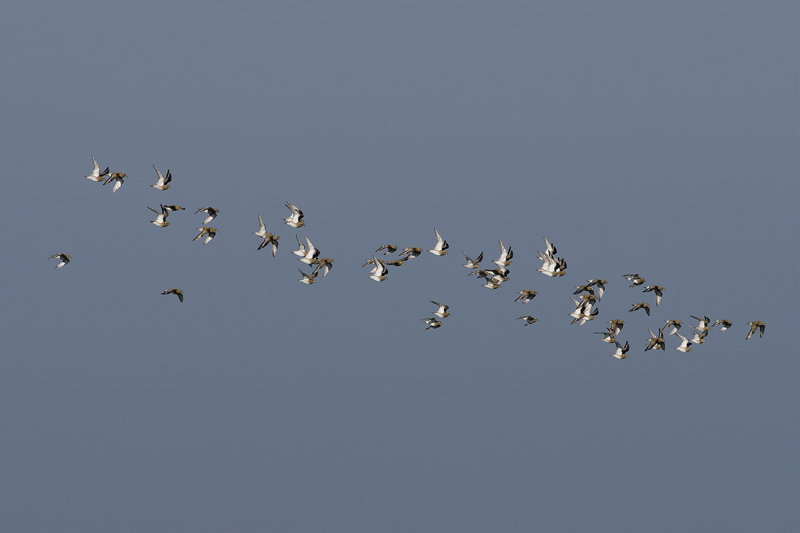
[(585, 297)]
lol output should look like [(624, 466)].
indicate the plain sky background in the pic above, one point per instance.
[(652, 137)]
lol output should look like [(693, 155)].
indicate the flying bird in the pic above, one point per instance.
[(658, 289), (525, 296), (640, 305), (176, 292), (528, 319), (118, 177), (505, 256), (441, 245), (63, 258), (379, 271), (622, 351), (724, 323), (441, 312), (208, 232), (756, 325), (675, 324), (210, 211), (172, 207), (703, 323), (295, 219), (472, 263), (410, 253), (685, 346), (267, 237), (97, 174), (390, 249), (161, 217), (432, 323), (163, 181)]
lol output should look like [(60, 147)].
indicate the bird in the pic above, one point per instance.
[(311, 253), (161, 217), (395, 262), (658, 289), (622, 351), (472, 263), (325, 264), (528, 319), (551, 266), (703, 322), (617, 325), (308, 279), (724, 323), (176, 292), (609, 335), (432, 323), (97, 174), (295, 219), (172, 207), (441, 312), (756, 325), (685, 346), (441, 245), (656, 341), (163, 181), (600, 284), (208, 232), (301, 248), (410, 253), (699, 336), (390, 249), (267, 237), (211, 211), (635, 279), (525, 296), (675, 324), (379, 271), (505, 255), (118, 177), (640, 305), (64, 259)]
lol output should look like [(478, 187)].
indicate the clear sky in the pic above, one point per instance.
[(652, 137)]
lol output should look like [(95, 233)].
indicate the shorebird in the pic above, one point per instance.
[(525, 296), (268, 238), (608, 336), (118, 177), (163, 182), (308, 279), (441, 312), (323, 263), (600, 284), (492, 283), (410, 253), (301, 248), (176, 292), (675, 324), (161, 217), (311, 253), (622, 351), (441, 245), (432, 323), (583, 311), (703, 323), (725, 324), (699, 336), (395, 262), (551, 266), (472, 263), (658, 289), (172, 207), (635, 279), (640, 305), (756, 325), (64, 258), (616, 325), (528, 319), (505, 256), (390, 249), (295, 219), (685, 346), (655, 341), (212, 213), (97, 174), (208, 232), (379, 271)]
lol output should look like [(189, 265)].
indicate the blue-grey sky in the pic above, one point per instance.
[(652, 137)]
